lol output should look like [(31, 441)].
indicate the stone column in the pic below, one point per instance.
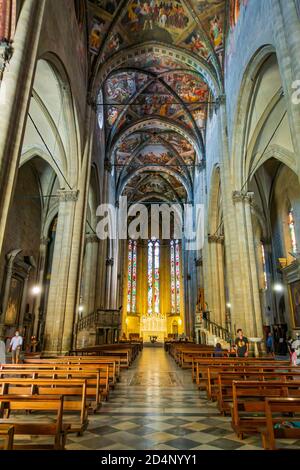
[(109, 264), (40, 279), (60, 276), (89, 286), (217, 272), (15, 94), (101, 297), (24, 298), (246, 273)]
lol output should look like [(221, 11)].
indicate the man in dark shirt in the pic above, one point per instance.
[(241, 344)]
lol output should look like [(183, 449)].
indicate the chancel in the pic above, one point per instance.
[(157, 332)]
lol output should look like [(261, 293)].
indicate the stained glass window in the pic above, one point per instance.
[(153, 277), (292, 231), (264, 266), (132, 269), (175, 276)]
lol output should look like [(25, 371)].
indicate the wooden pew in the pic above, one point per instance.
[(127, 352), (223, 394), (203, 364), (68, 370), (7, 435), (280, 407), (113, 364), (57, 429), (73, 390), (92, 378), (212, 374), (248, 402)]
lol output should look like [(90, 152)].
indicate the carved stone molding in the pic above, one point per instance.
[(216, 239), (44, 241), (109, 262), (242, 196), (91, 102), (91, 238), (221, 99), (107, 165), (6, 52), (198, 262), (68, 195)]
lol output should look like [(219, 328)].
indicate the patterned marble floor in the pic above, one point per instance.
[(157, 407)]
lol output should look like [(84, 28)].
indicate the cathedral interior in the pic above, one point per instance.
[(188, 107)]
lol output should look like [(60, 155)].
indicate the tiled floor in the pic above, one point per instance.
[(156, 406)]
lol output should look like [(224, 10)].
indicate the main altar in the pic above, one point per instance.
[(153, 325)]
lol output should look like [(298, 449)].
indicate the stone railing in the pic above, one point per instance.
[(99, 319), (217, 330)]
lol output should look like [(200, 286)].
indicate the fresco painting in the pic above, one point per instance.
[(197, 45), (97, 30), (157, 16)]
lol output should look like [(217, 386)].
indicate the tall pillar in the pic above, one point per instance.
[(101, 294), (40, 278), (217, 273), (15, 94), (89, 288), (57, 299), (246, 276), (109, 264)]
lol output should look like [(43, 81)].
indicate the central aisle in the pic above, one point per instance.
[(156, 406)]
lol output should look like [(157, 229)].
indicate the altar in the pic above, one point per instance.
[(153, 325)]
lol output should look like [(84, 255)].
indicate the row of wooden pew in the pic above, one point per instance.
[(64, 389), (261, 395)]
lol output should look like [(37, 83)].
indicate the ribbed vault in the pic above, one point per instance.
[(158, 64)]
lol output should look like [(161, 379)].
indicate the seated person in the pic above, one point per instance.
[(232, 352), (218, 350)]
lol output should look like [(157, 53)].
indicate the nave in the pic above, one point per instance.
[(156, 406)]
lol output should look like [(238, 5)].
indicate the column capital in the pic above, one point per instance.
[(243, 196), (220, 99), (91, 238), (216, 238), (44, 241), (6, 52), (68, 195), (107, 165), (92, 102), (199, 261)]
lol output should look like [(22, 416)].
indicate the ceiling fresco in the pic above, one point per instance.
[(165, 64)]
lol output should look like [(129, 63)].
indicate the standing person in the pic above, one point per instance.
[(15, 347), (241, 344), (2, 351), (270, 344), (289, 345)]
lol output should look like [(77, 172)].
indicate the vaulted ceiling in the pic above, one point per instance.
[(160, 68)]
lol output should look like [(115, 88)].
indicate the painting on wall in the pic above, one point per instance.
[(98, 28), (14, 301), (197, 45), (295, 298), (167, 20)]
